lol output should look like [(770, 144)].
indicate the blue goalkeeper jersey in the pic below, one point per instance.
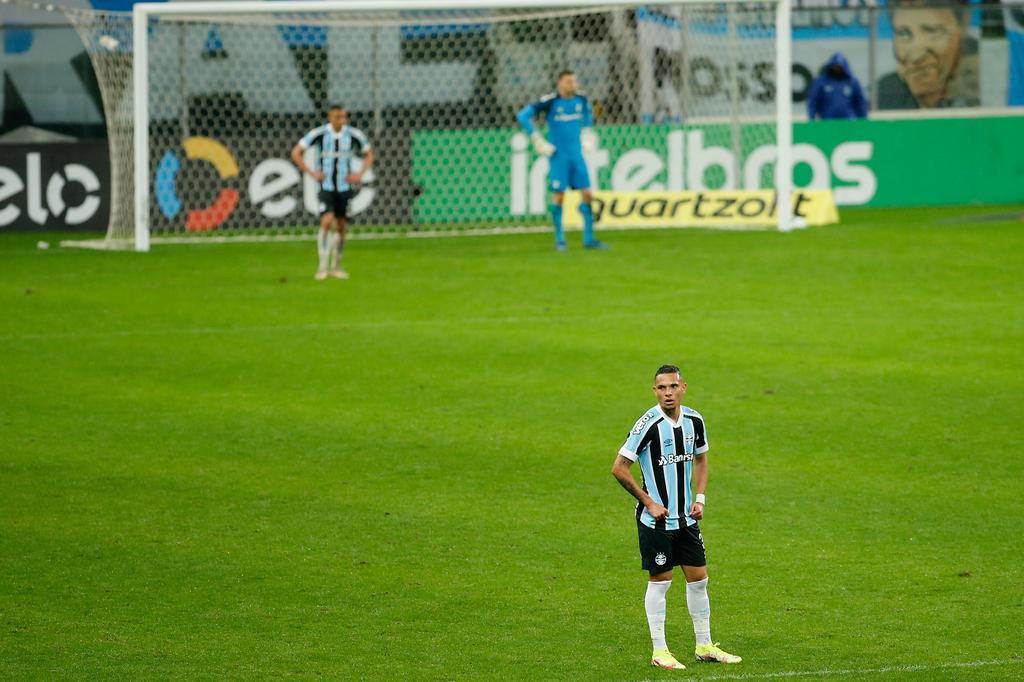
[(566, 118)]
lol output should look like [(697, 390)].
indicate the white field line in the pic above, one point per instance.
[(156, 240), (314, 326), (839, 672)]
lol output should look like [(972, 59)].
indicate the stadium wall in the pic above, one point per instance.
[(489, 175)]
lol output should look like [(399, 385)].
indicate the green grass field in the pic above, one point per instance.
[(214, 467)]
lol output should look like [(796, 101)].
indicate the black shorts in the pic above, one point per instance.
[(334, 202), (660, 550)]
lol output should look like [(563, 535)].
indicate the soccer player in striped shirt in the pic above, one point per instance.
[(670, 443), (569, 118), (337, 144)]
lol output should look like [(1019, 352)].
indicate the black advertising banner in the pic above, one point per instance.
[(210, 183), (54, 186)]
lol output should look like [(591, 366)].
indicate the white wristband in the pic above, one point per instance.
[(699, 499)]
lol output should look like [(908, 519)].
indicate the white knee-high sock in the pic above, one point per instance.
[(654, 603), (699, 605), (332, 245), (323, 248)]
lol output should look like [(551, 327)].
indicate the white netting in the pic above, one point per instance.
[(108, 39), (684, 97)]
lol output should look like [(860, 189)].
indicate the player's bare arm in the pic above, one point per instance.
[(700, 483), (622, 473), (297, 152), (354, 178)]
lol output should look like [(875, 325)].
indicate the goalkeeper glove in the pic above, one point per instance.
[(542, 146), (588, 140)]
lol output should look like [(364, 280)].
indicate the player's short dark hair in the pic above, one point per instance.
[(566, 72), (667, 369), (335, 107)]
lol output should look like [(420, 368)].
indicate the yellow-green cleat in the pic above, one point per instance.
[(711, 652), (663, 658)]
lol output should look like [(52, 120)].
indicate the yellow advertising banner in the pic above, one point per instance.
[(713, 208)]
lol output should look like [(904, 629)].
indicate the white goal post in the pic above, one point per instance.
[(354, 14)]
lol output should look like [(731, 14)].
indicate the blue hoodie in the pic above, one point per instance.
[(835, 96)]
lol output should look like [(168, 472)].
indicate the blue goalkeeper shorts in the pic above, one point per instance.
[(567, 171)]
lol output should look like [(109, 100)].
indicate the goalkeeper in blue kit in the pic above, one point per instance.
[(569, 118)]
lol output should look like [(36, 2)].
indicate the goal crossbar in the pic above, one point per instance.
[(289, 6)]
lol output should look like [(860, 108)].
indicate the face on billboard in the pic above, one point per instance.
[(927, 46)]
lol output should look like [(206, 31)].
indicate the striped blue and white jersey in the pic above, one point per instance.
[(335, 152), (665, 450)]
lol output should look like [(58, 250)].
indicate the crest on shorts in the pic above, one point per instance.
[(660, 559)]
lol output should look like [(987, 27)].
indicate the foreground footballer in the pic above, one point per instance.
[(670, 442)]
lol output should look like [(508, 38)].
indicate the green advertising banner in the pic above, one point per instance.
[(489, 175)]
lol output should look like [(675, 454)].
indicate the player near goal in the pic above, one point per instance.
[(337, 143), (670, 442), (569, 119)]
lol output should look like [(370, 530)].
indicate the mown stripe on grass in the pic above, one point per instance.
[(834, 672)]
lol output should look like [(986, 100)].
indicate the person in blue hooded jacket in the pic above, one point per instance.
[(836, 92)]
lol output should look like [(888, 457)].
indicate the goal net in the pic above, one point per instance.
[(684, 95)]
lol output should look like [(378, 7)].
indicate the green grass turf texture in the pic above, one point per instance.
[(215, 467)]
